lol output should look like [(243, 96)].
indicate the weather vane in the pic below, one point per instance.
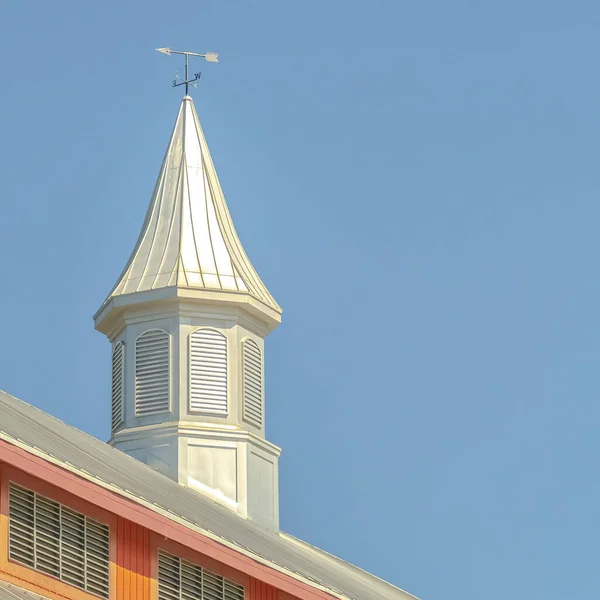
[(209, 56)]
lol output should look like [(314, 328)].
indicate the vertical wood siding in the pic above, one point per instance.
[(133, 561), (261, 591)]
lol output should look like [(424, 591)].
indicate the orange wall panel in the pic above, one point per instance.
[(133, 561)]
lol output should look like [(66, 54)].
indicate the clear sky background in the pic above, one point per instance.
[(417, 183)]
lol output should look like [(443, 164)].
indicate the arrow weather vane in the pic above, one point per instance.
[(209, 56)]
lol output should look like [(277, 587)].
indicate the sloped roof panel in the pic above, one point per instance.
[(8, 591)]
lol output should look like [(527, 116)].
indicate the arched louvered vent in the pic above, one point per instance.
[(253, 383), (152, 373), (118, 384), (179, 579), (208, 372), (51, 538)]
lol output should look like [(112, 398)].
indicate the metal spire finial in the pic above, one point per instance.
[(209, 56)]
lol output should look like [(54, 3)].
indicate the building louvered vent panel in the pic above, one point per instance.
[(152, 373), (253, 383), (47, 534), (208, 372), (96, 558), (73, 547), (21, 526), (179, 579), (118, 384), (56, 540)]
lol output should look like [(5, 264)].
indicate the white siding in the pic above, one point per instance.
[(252, 382), (152, 373), (118, 384), (208, 372)]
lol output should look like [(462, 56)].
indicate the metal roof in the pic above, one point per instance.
[(8, 591), (88, 457), (188, 239)]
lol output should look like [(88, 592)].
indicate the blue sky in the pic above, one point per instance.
[(417, 184)]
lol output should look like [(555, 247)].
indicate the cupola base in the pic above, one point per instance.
[(230, 465)]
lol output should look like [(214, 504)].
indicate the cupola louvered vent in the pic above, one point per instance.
[(253, 383), (53, 539), (179, 579), (152, 373), (118, 384), (208, 372)]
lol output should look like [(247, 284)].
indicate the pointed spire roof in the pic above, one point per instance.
[(188, 239)]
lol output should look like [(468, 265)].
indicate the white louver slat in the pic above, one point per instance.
[(233, 591), (21, 526), (73, 547), (191, 581), (208, 372), (96, 558), (47, 535), (169, 577), (212, 588), (118, 385), (179, 579), (252, 383), (54, 539), (152, 373)]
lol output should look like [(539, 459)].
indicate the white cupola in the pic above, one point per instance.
[(187, 321)]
